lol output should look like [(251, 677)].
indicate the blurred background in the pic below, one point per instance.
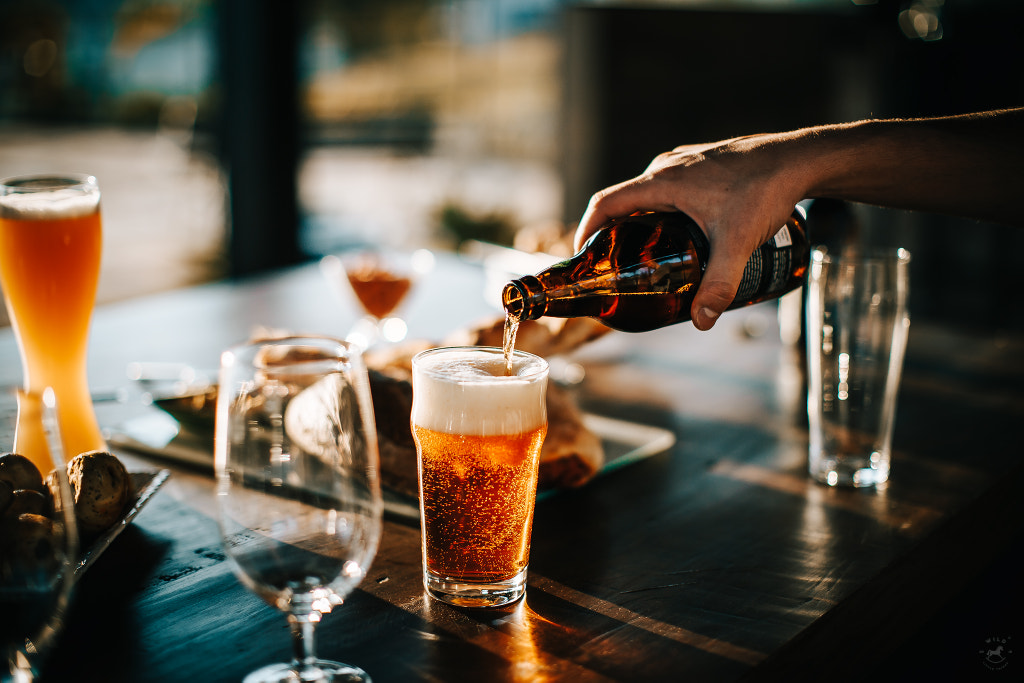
[(232, 136)]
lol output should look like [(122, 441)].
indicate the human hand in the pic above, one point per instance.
[(739, 191)]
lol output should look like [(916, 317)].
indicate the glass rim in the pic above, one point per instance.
[(897, 255), (248, 351), (47, 182), (537, 369)]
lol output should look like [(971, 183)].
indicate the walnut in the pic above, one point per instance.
[(101, 486), (20, 473)]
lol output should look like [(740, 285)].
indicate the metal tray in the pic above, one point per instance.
[(145, 485)]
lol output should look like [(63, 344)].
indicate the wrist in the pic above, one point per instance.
[(830, 160)]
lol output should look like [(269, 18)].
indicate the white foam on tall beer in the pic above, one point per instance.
[(39, 206), (467, 392)]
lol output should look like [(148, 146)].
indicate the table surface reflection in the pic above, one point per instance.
[(715, 560)]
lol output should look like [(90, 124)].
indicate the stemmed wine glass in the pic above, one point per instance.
[(380, 280), (38, 550), (297, 484)]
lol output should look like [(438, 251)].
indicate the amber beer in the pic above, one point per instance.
[(478, 435), (50, 241), (379, 290), (640, 273)]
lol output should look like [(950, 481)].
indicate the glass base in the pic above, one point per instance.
[(369, 332), (475, 594), (857, 471), (315, 671)]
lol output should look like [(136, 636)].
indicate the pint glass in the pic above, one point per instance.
[(49, 268), (857, 329), (478, 435)]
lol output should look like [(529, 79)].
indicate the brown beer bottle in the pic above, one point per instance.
[(640, 273)]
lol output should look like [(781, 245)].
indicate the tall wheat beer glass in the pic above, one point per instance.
[(478, 434), (49, 268)]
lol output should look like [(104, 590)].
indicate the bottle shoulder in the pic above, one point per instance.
[(650, 235)]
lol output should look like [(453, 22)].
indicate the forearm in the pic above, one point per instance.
[(740, 191), (969, 165)]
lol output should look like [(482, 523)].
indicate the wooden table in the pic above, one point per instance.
[(715, 560)]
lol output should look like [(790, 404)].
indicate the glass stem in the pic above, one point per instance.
[(303, 642)]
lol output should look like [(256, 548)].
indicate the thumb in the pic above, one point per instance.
[(718, 285)]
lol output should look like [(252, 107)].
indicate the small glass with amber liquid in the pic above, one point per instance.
[(380, 281)]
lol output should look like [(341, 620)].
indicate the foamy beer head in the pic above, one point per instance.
[(46, 198), (464, 390)]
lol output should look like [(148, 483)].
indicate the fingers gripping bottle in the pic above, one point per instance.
[(640, 273)]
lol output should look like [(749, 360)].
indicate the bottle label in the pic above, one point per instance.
[(752, 276), (782, 266), (783, 238), (768, 270)]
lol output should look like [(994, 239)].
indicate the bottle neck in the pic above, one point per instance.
[(524, 299)]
